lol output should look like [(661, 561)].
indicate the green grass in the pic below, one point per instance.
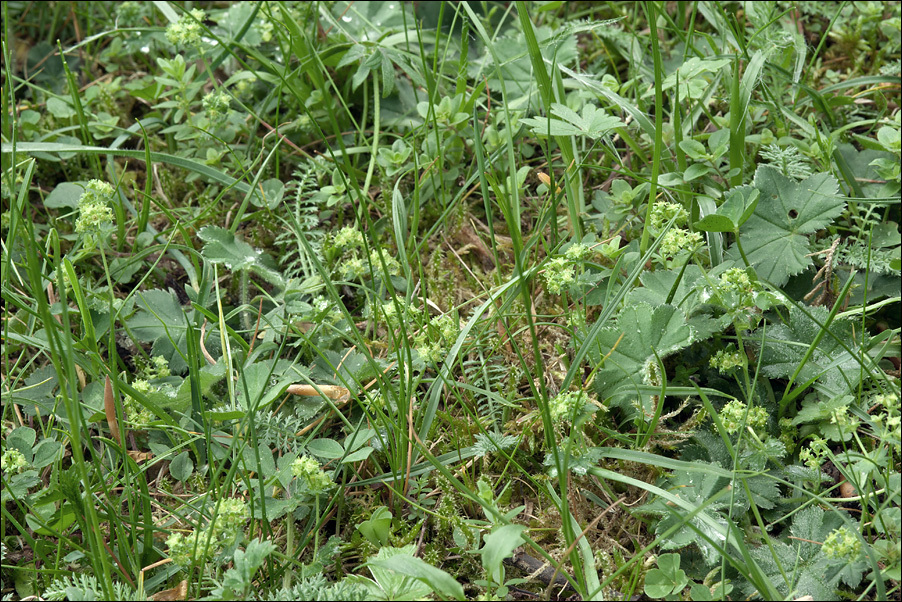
[(344, 301)]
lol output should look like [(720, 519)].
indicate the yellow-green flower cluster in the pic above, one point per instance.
[(353, 269), (663, 212), (348, 237), (391, 264), (578, 252), (216, 106), (726, 359), (678, 240), (136, 414), (813, 455), (737, 282), (842, 544), (187, 31), (434, 341), (733, 413), (558, 275), (845, 421), (565, 404), (94, 210), (233, 513), (308, 470), (159, 367), (13, 461)]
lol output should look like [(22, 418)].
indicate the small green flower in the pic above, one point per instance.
[(565, 404), (181, 548), (308, 470), (159, 367), (13, 461), (136, 414), (677, 240), (216, 105), (845, 421), (187, 31), (733, 413), (348, 237), (558, 275), (95, 213), (431, 353), (578, 252), (353, 269), (231, 518), (726, 360), (391, 264), (842, 544), (737, 281), (662, 213)]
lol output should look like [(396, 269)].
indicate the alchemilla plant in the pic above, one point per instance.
[(394, 300)]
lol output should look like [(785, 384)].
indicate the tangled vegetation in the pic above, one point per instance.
[(384, 300)]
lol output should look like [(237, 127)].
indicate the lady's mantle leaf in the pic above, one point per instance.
[(162, 320), (226, 248), (630, 347), (837, 371), (775, 237), (594, 122)]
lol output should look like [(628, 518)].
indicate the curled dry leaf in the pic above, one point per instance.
[(139, 456), (846, 489), (333, 392), (179, 592), (109, 408)]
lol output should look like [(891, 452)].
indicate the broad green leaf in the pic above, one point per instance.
[(694, 149), (775, 238), (161, 319), (695, 171), (177, 395), (377, 528), (735, 211), (810, 571), (181, 466), (696, 489), (593, 123), (65, 194), (631, 345), (269, 194), (46, 452), (500, 544), (226, 248), (438, 580), (390, 584), (358, 456), (715, 223), (263, 388), (836, 371), (667, 579), (325, 448)]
